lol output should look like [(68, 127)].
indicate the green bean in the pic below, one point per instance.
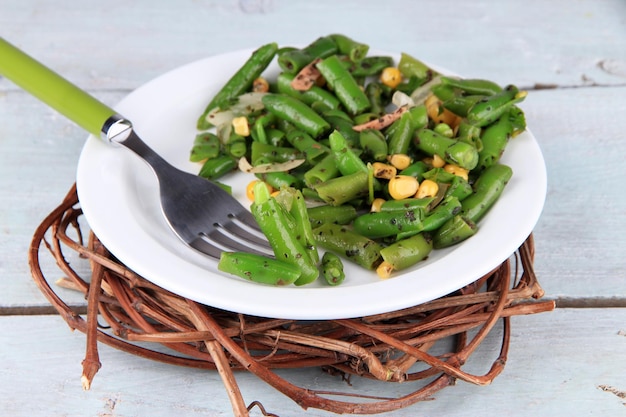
[(459, 153), (494, 139), (280, 179), (401, 138), (369, 66), (298, 210), (292, 61), (459, 188), (332, 268), (217, 167), (344, 85), (490, 109), (241, 81), (344, 242), (469, 133), (313, 95), (373, 143), (412, 67), (407, 204), (236, 146), (258, 268), (347, 161), (343, 126), (416, 169), (407, 252), (389, 223), (276, 224), (356, 51), (205, 146), (260, 124), (487, 190), (472, 86), (419, 119), (266, 153), (296, 112), (340, 190), (375, 93), (448, 208), (322, 171), (343, 214), (312, 149), (460, 105), (438, 175), (454, 231)]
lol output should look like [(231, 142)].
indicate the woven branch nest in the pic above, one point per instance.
[(392, 347)]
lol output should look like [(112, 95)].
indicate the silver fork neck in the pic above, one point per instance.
[(116, 129)]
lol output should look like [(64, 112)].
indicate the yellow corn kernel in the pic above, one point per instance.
[(457, 170), (399, 160), (428, 188), (274, 193), (250, 189), (438, 161), (437, 113), (376, 204), (391, 77), (402, 186), (384, 171), (260, 85), (241, 126), (384, 270)]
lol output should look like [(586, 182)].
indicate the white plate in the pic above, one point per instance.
[(119, 196)]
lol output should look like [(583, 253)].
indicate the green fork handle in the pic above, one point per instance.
[(54, 90)]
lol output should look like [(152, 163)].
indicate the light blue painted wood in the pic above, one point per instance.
[(557, 364), (558, 361)]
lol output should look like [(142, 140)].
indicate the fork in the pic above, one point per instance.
[(199, 212)]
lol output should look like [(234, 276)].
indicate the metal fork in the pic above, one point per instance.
[(199, 212)]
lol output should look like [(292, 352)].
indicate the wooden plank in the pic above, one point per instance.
[(569, 362), (122, 46)]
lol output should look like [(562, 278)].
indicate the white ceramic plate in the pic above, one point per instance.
[(119, 196)]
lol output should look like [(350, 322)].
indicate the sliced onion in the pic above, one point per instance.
[(422, 92), (400, 99), (245, 166), (246, 103)]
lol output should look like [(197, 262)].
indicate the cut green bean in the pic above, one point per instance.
[(312, 149), (490, 109), (347, 161), (323, 171), (472, 86), (205, 146), (258, 268), (487, 189), (217, 167), (459, 153), (455, 230), (389, 223), (343, 214), (344, 242), (313, 95), (241, 81), (332, 269), (344, 85), (341, 190), (276, 224), (356, 51), (494, 139), (407, 252), (373, 143), (293, 60), (296, 112), (448, 208)]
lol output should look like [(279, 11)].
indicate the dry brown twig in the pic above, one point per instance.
[(390, 347)]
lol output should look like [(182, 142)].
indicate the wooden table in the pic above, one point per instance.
[(569, 55)]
